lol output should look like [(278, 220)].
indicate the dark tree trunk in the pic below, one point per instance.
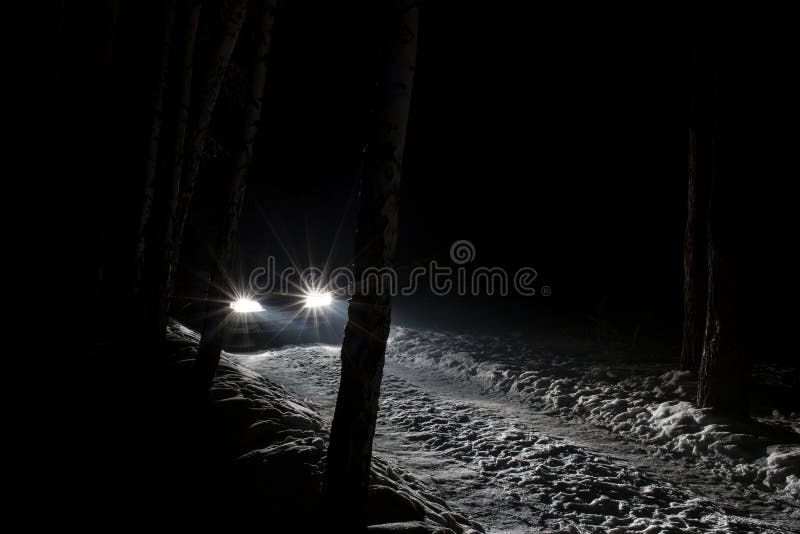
[(153, 143), (349, 453), (232, 16), (162, 240), (216, 304), (726, 365), (695, 250), (694, 268)]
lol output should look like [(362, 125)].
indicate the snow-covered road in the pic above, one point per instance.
[(514, 468)]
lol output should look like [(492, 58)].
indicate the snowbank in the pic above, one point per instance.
[(271, 447), (517, 470), (642, 402)]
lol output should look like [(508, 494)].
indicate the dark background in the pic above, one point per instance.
[(550, 136)]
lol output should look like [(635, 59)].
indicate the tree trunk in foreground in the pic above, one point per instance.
[(216, 305), (164, 245), (695, 254), (695, 249), (726, 364), (725, 369), (153, 143), (349, 453), (232, 15)]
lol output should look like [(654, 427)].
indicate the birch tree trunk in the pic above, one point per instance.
[(349, 453), (233, 15), (153, 142), (166, 244), (216, 305)]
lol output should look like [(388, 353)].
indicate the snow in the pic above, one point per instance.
[(630, 400), (514, 468), (267, 434), (491, 433)]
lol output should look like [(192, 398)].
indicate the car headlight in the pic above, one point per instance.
[(246, 306), (318, 300)]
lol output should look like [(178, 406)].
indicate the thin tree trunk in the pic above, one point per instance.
[(212, 333), (233, 15), (695, 255), (154, 139), (349, 453), (165, 248), (725, 367), (153, 145), (695, 270)]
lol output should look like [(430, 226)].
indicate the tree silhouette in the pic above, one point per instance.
[(369, 313)]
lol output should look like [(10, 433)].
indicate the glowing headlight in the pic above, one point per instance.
[(246, 306), (318, 300)]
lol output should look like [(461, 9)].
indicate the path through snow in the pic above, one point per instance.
[(514, 468)]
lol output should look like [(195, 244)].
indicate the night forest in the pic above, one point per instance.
[(564, 230)]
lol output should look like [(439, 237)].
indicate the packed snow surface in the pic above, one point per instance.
[(272, 445), (522, 439), (652, 409)]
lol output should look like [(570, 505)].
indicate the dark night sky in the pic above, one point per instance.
[(552, 136)]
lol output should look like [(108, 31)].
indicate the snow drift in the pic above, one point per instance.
[(270, 445), (643, 402), (518, 470)]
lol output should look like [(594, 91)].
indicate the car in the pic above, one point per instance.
[(276, 320)]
